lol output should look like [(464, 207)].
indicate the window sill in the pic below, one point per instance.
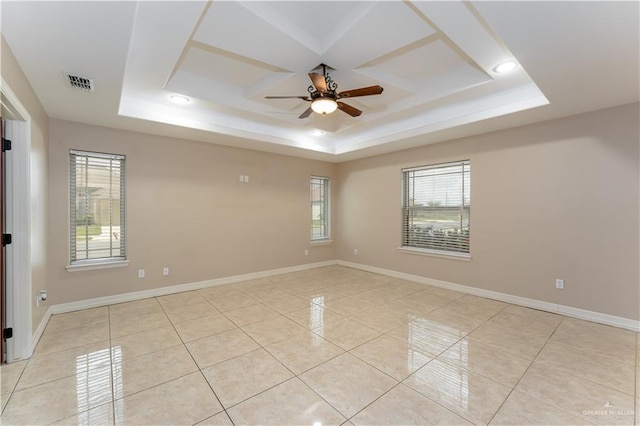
[(97, 265), (320, 242), (435, 253)]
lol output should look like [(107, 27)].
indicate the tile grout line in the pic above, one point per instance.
[(322, 398), (524, 373), (13, 390), (160, 350), (260, 346), (349, 351), (263, 347), (184, 345), (582, 351), (28, 361), (401, 382), (398, 382), (527, 370), (295, 376), (443, 351)]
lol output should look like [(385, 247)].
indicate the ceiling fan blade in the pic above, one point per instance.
[(363, 91), (304, 98), (307, 112), (354, 112), (318, 81)]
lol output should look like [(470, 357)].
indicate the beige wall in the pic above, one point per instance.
[(186, 209), (20, 86), (558, 199)]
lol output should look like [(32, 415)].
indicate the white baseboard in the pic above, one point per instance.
[(584, 314), (163, 291), (569, 311), (35, 338)]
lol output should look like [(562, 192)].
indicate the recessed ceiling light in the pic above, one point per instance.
[(317, 132), (179, 99), (506, 67)]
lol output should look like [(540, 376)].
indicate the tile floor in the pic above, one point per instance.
[(328, 346)]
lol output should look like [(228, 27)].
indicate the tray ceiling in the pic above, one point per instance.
[(435, 60)]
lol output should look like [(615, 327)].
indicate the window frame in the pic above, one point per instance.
[(325, 208), (97, 262), (464, 205)]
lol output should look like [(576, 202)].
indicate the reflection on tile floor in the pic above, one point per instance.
[(328, 346)]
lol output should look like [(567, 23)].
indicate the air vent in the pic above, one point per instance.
[(81, 83)]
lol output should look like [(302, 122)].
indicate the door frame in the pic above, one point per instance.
[(18, 216)]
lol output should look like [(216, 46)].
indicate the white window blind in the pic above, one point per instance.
[(319, 208), (436, 207), (97, 206)]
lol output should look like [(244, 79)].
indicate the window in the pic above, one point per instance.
[(319, 208), (97, 197), (436, 207)]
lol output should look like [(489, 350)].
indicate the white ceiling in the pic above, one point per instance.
[(435, 61)]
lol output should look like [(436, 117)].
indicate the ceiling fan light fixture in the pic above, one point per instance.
[(325, 98), (324, 106)]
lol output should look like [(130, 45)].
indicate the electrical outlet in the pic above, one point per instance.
[(306, 252), (355, 251), (42, 296), (140, 273), (165, 271), (559, 284)]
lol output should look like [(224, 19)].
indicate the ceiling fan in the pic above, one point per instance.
[(324, 97)]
